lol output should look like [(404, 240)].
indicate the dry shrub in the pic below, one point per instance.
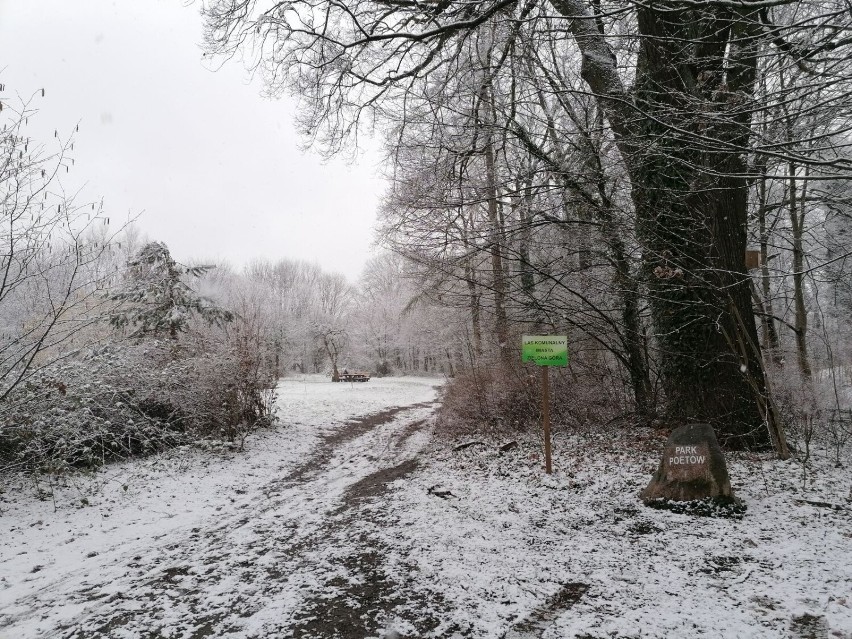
[(133, 399), (506, 399), (816, 412)]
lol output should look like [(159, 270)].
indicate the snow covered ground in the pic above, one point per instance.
[(518, 554), (351, 519), (107, 536)]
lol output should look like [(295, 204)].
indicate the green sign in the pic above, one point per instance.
[(545, 350)]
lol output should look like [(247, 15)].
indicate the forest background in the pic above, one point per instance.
[(666, 184)]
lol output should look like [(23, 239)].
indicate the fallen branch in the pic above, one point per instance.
[(819, 504), (443, 493), (466, 445)]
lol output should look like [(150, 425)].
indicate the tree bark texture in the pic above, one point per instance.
[(682, 133)]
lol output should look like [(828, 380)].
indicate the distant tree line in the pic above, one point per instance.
[(109, 347), (602, 169)]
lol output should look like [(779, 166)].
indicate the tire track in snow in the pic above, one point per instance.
[(368, 596), (246, 573)]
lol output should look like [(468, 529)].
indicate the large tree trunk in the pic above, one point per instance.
[(691, 202)]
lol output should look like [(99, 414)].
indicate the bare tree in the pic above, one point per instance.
[(50, 287), (683, 128)]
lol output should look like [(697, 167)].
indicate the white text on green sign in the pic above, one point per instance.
[(545, 350)]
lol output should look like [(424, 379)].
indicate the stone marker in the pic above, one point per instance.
[(692, 473)]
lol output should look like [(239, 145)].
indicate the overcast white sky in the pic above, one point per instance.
[(213, 167)]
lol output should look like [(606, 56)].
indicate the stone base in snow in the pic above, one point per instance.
[(711, 507), (692, 476)]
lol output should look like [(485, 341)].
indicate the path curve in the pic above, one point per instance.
[(289, 559)]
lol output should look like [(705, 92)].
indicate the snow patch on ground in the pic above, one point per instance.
[(94, 529), (508, 538), (327, 520)]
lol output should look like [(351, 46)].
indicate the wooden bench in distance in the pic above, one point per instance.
[(357, 376)]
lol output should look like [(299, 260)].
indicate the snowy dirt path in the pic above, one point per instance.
[(258, 547), (351, 521)]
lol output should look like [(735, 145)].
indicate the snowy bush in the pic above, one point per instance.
[(126, 400), (508, 397), (86, 412), (817, 412), (172, 367)]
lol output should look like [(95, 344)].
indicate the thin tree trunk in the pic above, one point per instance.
[(797, 223), (770, 333), (501, 327), (524, 239), (628, 285), (475, 321)]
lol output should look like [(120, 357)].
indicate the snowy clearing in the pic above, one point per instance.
[(114, 533), (521, 555), (350, 519)]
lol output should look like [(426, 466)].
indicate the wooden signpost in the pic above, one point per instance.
[(545, 350)]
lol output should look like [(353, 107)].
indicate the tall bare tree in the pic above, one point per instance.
[(683, 128)]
